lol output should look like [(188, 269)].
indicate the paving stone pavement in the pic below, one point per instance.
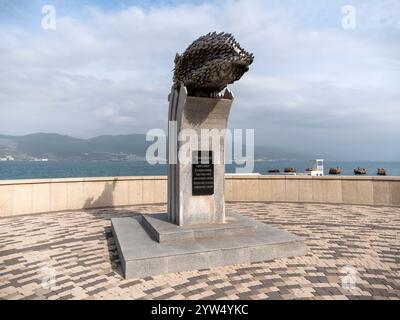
[(353, 254)]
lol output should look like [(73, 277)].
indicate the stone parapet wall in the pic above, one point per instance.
[(19, 197), (340, 190)]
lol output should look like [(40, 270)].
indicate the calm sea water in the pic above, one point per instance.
[(69, 169)]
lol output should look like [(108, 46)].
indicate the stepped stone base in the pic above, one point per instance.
[(162, 230), (149, 245)]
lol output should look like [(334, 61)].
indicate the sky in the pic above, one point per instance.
[(314, 87)]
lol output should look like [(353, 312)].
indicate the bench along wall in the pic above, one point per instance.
[(18, 197)]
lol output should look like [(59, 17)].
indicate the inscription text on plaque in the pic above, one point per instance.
[(202, 173)]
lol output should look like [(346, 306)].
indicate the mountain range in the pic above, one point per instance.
[(55, 147)]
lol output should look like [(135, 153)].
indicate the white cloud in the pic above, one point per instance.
[(110, 73)]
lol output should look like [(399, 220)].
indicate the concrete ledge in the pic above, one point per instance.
[(86, 179), (162, 230), (142, 256), (22, 197)]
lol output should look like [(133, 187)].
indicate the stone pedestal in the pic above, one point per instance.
[(207, 119), (150, 245), (195, 233)]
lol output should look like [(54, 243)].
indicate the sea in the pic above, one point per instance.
[(10, 170)]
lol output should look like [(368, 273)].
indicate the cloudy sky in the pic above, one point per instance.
[(106, 69)]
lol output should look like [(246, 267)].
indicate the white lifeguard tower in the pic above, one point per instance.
[(317, 168)]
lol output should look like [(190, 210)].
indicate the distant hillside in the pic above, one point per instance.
[(120, 147), (60, 147)]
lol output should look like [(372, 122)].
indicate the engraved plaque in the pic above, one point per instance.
[(202, 173)]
